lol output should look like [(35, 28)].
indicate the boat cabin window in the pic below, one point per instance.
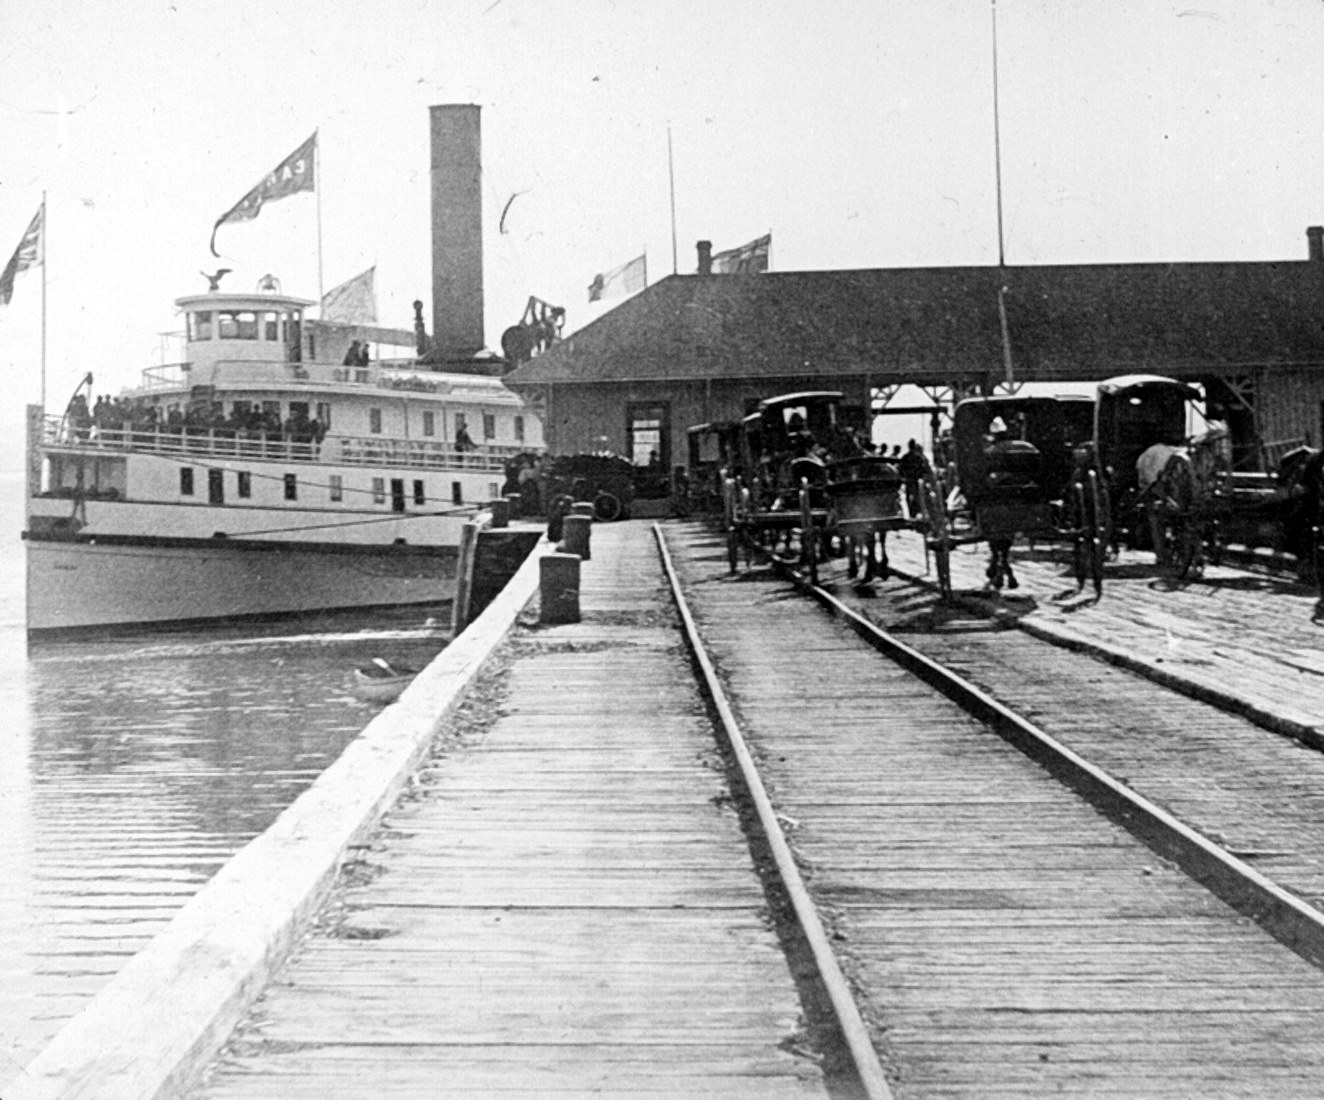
[(519, 429), (199, 325), (489, 426), (429, 423), (337, 487), (291, 487), (236, 324), (245, 484), (92, 478), (420, 494), (186, 481), (379, 490), (324, 415), (375, 421), (271, 327)]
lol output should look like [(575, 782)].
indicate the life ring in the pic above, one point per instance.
[(607, 506)]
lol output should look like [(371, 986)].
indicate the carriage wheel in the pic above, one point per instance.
[(607, 506), (937, 534)]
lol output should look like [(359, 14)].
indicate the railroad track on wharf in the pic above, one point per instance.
[(1119, 902)]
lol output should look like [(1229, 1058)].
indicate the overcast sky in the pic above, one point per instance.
[(859, 132)]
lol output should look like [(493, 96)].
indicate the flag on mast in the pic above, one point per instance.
[(353, 302), (30, 252), (748, 259), (295, 173), (626, 279)]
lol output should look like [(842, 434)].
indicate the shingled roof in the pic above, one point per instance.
[(1084, 321)]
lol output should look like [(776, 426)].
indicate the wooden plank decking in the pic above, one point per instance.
[(566, 908)]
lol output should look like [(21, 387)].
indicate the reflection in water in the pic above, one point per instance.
[(132, 769)]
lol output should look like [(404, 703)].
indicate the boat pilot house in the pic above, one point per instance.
[(705, 348)]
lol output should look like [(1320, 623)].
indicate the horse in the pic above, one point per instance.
[(1175, 499)]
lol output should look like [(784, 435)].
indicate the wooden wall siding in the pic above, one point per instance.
[(1010, 942), (1289, 404), (568, 908)]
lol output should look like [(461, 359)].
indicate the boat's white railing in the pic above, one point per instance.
[(282, 447), (401, 376)]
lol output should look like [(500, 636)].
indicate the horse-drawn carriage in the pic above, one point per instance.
[(807, 487), (714, 454), (1020, 467), (1174, 489)]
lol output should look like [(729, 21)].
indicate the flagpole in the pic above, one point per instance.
[(45, 240), (318, 184), (671, 173), (1009, 372)]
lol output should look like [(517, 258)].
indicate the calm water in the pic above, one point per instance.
[(131, 769)]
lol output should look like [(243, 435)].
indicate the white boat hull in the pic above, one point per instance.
[(115, 582)]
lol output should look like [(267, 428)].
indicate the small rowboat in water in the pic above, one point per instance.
[(382, 682)]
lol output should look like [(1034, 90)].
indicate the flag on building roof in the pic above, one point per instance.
[(31, 251), (353, 302), (295, 173), (748, 259), (620, 281)]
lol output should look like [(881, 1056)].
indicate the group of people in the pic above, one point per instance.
[(128, 415), (358, 355)]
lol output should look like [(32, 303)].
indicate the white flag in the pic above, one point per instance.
[(353, 302)]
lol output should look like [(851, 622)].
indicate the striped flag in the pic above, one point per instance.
[(295, 173), (619, 281), (30, 252), (353, 302), (748, 259)]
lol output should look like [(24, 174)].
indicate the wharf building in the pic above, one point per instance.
[(706, 347)]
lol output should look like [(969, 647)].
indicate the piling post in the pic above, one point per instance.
[(559, 589), (464, 578), (576, 530)]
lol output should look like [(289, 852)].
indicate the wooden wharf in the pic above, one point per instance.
[(565, 906), (1245, 640), (1007, 940), (563, 902)]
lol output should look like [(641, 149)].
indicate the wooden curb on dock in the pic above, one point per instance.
[(169, 1010), (1229, 701)]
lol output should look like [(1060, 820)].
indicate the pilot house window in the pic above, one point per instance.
[(235, 324), (199, 325)]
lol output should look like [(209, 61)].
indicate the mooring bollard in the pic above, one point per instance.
[(576, 530), (558, 589), (500, 513)]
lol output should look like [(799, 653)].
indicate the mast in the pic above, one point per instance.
[(41, 245), (671, 173), (317, 175)]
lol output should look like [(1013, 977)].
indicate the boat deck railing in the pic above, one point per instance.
[(282, 447), (403, 376)]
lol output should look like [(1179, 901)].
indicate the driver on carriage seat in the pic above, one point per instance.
[(800, 438)]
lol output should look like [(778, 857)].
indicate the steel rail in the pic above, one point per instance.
[(1287, 917), (847, 1012)]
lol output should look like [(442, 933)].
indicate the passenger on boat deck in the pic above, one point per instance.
[(365, 354), (462, 441), (352, 357)]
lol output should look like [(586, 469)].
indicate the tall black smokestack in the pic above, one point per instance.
[(457, 232)]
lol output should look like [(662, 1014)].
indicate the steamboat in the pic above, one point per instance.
[(276, 470)]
